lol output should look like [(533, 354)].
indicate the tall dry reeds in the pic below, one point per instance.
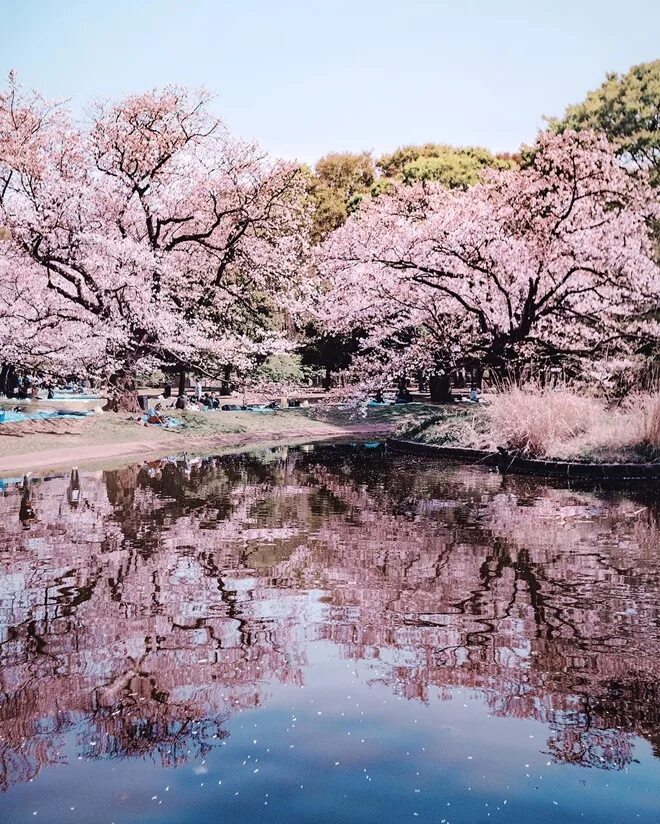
[(564, 422), (647, 412), (559, 422), (535, 421)]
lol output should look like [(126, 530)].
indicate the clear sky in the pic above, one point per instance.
[(304, 77)]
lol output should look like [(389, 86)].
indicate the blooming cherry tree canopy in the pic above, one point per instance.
[(153, 231), (554, 258)]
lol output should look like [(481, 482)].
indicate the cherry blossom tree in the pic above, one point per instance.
[(551, 260), (151, 230)]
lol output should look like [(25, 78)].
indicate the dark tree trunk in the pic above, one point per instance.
[(123, 392), (440, 388), (182, 382), (327, 380), (225, 383), (11, 381), (4, 374), (478, 376)]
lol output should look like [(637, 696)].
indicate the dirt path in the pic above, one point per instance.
[(89, 453)]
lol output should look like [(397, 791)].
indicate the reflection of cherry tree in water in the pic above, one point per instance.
[(189, 592), (128, 661), (527, 582), (132, 717), (535, 564)]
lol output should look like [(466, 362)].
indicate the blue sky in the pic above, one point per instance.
[(305, 78)]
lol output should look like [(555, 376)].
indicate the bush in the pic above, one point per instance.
[(282, 368)]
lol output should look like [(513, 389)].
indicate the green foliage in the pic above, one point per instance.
[(383, 185), (282, 368), (341, 180), (332, 353), (339, 183), (627, 108), (451, 166), (452, 170)]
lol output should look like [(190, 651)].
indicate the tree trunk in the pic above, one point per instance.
[(182, 382), (327, 381), (440, 388), (123, 392), (225, 383), (11, 381), (4, 373)]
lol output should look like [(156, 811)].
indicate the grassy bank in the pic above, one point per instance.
[(548, 423), (104, 437)]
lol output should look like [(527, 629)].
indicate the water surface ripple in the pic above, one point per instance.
[(327, 634)]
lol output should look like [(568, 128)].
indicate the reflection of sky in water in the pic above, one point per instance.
[(325, 636)]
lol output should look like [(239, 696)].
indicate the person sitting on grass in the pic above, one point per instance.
[(154, 416), (180, 402), (23, 389), (403, 395)]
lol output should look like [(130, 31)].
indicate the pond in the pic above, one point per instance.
[(327, 634)]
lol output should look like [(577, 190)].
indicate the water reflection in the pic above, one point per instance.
[(155, 602)]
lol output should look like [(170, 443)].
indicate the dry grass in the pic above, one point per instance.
[(536, 421), (561, 423), (649, 419), (553, 423)]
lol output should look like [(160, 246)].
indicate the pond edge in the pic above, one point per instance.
[(505, 462)]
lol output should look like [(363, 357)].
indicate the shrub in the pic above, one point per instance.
[(281, 368)]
